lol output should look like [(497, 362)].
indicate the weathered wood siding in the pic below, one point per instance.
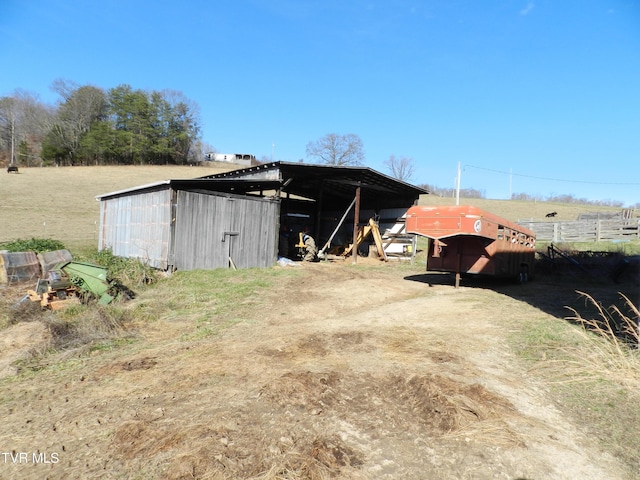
[(137, 226), (585, 230), (212, 228)]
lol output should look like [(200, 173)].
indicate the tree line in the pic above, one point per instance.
[(93, 126), (564, 198), (125, 126)]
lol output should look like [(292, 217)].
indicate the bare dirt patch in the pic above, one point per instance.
[(339, 373)]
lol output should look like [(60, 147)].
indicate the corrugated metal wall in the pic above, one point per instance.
[(212, 228), (137, 226)]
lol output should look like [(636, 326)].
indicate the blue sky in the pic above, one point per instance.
[(540, 97)]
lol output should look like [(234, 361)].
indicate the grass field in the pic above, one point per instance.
[(60, 203)]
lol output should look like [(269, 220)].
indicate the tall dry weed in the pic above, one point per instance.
[(611, 343)]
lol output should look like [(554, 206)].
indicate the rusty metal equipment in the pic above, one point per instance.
[(54, 295), (71, 283)]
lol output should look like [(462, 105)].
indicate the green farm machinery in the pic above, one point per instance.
[(75, 282)]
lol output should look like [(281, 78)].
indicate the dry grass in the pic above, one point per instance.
[(610, 345), (288, 392), (592, 365), (71, 332)]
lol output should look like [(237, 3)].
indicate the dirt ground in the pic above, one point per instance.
[(340, 373)]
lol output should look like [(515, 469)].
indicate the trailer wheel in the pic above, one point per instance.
[(523, 276)]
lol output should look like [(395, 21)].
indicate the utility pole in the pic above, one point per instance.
[(458, 186), (13, 134), (510, 183)]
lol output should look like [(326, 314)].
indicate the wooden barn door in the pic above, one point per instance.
[(221, 231)]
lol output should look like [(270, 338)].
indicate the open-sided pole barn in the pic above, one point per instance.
[(234, 218)]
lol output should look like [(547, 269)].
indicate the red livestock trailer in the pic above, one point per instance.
[(466, 239)]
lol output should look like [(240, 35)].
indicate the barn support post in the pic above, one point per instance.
[(319, 208), (356, 219)]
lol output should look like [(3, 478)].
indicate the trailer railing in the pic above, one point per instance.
[(586, 231)]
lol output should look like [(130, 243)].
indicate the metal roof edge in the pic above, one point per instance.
[(133, 189), (238, 171), (357, 167), (233, 174), (271, 165)]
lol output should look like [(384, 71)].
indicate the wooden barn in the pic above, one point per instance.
[(235, 218)]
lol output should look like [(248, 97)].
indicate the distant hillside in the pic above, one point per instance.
[(60, 203), (516, 210)]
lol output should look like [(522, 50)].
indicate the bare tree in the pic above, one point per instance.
[(401, 168), (8, 116), (79, 108), (186, 112), (24, 121), (201, 151), (337, 150), (451, 192)]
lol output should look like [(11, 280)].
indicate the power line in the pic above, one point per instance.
[(552, 179)]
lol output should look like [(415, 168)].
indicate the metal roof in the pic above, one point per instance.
[(337, 184), (149, 186), (237, 186)]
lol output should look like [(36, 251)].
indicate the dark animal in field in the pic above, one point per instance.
[(12, 169), (552, 214)]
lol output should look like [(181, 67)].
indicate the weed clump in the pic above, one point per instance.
[(84, 327), (619, 327), (125, 271), (37, 245), (602, 382)]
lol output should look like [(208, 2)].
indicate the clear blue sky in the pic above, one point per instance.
[(540, 97)]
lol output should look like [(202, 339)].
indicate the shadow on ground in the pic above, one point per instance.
[(558, 289)]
